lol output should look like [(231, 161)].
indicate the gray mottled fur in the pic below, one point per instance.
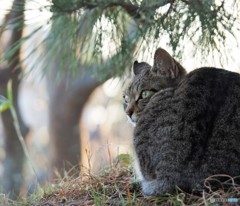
[(188, 128)]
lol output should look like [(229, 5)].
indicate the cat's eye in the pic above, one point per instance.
[(146, 94)]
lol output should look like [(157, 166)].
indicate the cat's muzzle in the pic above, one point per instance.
[(133, 119)]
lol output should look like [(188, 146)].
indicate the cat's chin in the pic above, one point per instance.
[(133, 119)]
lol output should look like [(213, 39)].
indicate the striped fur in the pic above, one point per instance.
[(187, 128)]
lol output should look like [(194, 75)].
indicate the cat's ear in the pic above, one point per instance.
[(139, 67), (164, 64)]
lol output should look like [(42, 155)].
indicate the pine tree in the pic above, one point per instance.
[(96, 40)]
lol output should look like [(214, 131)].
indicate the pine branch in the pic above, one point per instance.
[(133, 10)]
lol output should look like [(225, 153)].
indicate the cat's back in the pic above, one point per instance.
[(208, 90), (201, 93), (210, 79), (217, 116), (204, 101)]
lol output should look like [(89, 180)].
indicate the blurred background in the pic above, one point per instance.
[(69, 62)]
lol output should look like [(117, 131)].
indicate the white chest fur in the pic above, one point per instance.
[(139, 175)]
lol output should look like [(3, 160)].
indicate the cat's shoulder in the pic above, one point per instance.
[(211, 71)]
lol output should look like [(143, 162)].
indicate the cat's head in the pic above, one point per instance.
[(166, 72)]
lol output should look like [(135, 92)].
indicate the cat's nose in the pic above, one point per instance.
[(130, 113)]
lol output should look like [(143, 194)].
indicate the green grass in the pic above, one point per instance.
[(116, 187)]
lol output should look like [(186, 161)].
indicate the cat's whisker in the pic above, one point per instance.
[(131, 122)]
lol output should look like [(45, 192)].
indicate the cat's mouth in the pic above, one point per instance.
[(133, 119)]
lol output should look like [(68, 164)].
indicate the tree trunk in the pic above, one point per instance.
[(13, 163), (66, 105)]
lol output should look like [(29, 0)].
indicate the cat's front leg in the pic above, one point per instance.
[(156, 187)]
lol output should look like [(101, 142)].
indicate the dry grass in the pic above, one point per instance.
[(116, 186)]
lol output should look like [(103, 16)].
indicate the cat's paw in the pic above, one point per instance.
[(156, 187)]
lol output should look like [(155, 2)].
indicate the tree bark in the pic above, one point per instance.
[(66, 105)]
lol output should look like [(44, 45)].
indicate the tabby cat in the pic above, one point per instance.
[(187, 126)]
